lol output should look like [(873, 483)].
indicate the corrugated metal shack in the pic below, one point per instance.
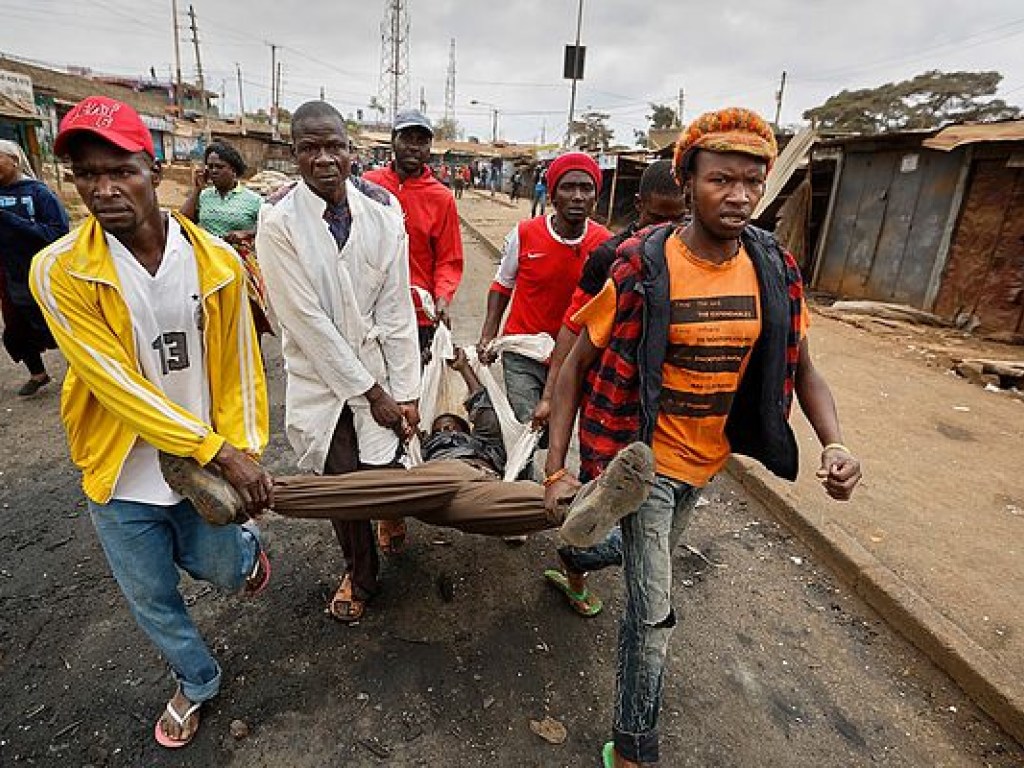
[(932, 223), (983, 278)]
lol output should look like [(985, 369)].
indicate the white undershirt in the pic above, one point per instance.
[(166, 311)]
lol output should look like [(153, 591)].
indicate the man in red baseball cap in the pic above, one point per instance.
[(541, 263), (152, 316)]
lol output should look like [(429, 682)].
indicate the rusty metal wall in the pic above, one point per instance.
[(891, 208), (984, 275)]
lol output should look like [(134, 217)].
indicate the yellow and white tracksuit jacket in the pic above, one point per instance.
[(107, 403)]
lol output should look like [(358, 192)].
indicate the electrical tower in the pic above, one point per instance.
[(394, 57), (449, 85)]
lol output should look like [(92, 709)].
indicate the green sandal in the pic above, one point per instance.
[(585, 603), (608, 755)]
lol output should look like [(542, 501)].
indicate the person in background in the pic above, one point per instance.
[(460, 180), (31, 217), (539, 201), (700, 342), (435, 245), (515, 182), (659, 200), (151, 313), (223, 206)]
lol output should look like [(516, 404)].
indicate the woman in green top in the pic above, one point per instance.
[(223, 206)]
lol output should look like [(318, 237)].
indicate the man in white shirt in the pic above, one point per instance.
[(152, 316), (334, 253)]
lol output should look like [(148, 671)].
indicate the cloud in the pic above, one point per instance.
[(510, 53)]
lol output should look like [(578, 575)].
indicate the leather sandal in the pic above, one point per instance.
[(391, 536), (345, 606)]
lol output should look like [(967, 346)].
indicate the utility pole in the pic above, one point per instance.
[(273, 92), (199, 73), (277, 94), (449, 85), (241, 99), (778, 99), (322, 96), (177, 60), (423, 100), (575, 70), (679, 113)]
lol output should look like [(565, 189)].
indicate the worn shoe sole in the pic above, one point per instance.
[(619, 491), (213, 497)]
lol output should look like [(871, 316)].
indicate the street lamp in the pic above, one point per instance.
[(494, 117)]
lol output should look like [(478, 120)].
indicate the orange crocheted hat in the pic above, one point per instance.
[(733, 129)]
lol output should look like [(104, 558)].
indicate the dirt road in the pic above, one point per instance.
[(773, 664)]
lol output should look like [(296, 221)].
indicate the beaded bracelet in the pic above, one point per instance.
[(555, 476)]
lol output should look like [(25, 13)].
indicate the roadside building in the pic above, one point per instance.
[(931, 219)]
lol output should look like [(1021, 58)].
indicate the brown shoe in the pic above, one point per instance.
[(213, 497), (619, 491)]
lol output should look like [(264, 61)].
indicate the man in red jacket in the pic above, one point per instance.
[(435, 244), (431, 219)]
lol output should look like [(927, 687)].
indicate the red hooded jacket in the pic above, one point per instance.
[(432, 222)]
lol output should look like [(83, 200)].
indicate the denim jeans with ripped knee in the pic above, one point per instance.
[(649, 537)]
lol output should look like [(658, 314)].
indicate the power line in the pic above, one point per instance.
[(830, 75)]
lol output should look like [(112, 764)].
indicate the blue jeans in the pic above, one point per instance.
[(145, 545), (649, 536), (524, 385), (603, 555)]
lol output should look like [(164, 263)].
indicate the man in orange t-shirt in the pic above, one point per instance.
[(699, 342)]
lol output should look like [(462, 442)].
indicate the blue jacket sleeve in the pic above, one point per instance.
[(51, 219)]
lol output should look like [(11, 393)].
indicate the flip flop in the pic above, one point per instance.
[(345, 606), (608, 755), (167, 741), (260, 576), (585, 603), (391, 536)]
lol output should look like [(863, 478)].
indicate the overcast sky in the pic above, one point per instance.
[(509, 52)]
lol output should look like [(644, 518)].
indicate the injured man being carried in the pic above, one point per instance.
[(457, 475)]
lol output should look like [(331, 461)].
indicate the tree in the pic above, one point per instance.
[(447, 129), (591, 131), (662, 116), (928, 100)]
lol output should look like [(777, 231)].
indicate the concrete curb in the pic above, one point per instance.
[(485, 241), (496, 198), (982, 677)]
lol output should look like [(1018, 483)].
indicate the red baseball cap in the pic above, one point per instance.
[(111, 120)]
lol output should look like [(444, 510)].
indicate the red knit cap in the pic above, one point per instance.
[(573, 161), (733, 129)]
